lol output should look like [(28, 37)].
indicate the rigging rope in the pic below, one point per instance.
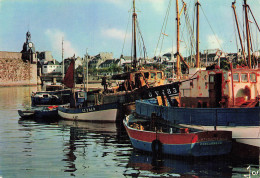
[(250, 36), (126, 33), (139, 45), (167, 16), (234, 23), (212, 29), (191, 36), (140, 33), (164, 21)]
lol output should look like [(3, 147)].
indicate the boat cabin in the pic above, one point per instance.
[(139, 78), (221, 88)]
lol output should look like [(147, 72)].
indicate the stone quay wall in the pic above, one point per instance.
[(15, 72)]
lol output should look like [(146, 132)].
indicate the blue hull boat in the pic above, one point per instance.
[(173, 140)]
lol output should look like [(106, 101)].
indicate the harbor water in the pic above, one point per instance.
[(85, 149)]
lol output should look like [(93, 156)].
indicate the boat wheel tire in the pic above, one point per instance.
[(156, 147)]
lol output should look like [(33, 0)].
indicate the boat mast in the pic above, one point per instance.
[(178, 39), (62, 58), (87, 68), (197, 36), (134, 35), (74, 81), (84, 74), (238, 30), (247, 35)]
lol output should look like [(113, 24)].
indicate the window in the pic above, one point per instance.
[(244, 77), (159, 75), (225, 76), (236, 77), (45, 67), (152, 75), (211, 79), (146, 75), (252, 77), (81, 95)]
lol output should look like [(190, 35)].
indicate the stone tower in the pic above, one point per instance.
[(28, 52)]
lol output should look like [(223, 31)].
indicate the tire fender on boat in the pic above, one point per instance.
[(156, 147)]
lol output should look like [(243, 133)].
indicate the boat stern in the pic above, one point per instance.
[(211, 143)]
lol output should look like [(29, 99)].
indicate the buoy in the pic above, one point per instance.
[(157, 147)]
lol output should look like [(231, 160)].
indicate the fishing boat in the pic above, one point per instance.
[(133, 80), (156, 137), (58, 97), (98, 113), (214, 98), (123, 95), (79, 109)]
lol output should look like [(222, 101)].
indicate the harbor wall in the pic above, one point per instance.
[(16, 72)]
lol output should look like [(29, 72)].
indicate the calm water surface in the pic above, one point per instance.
[(79, 149)]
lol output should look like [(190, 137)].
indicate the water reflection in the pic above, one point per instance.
[(85, 149), (13, 98), (142, 164), (97, 148), (88, 137)]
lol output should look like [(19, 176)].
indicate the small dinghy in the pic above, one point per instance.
[(40, 113), (156, 136)]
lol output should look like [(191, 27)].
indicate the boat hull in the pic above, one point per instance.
[(242, 134), (26, 114), (46, 115), (51, 98), (243, 122), (192, 144), (98, 113), (40, 114)]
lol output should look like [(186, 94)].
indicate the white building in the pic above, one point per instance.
[(51, 67)]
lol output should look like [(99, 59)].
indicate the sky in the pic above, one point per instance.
[(105, 25)]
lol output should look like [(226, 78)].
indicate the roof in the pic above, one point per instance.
[(54, 62), (127, 58), (211, 55), (108, 61)]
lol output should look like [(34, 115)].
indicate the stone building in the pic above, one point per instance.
[(47, 64), (44, 56), (78, 62), (19, 68), (28, 52), (97, 60)]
